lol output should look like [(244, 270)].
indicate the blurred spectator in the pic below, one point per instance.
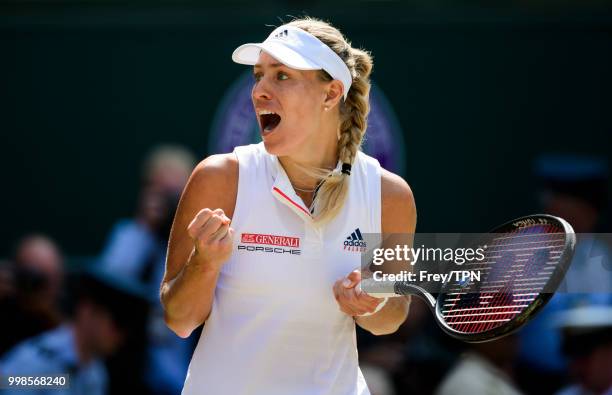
[(136, 249), (30, 289), (485, 369), (587, 341), (576, 189), (417, 356), (103, 314), (137, 246), (378, 380)]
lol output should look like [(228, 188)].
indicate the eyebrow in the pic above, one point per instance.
[(259, 66)]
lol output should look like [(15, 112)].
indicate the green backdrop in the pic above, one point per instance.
[(88, 88)]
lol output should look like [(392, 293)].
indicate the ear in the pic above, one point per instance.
[(333, 94)]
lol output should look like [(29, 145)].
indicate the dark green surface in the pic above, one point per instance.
[(86, 90)]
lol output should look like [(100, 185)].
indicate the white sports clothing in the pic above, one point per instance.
[(275, 327)]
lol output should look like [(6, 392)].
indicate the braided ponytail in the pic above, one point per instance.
[(355, 109), (353, 116)]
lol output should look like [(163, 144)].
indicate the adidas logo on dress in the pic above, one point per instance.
[(354, 242)]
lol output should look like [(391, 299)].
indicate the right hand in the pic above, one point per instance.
[(212, 238)]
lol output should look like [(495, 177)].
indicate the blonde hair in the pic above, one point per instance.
[(353, 115)]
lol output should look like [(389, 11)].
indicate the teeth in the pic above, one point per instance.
[(266, 112)]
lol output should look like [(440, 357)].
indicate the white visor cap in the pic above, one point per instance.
[(299, 50)]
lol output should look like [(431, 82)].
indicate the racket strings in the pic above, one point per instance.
[(516, 269)]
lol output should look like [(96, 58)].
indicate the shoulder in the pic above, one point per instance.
[(216, 168), (394, 188), (398, 205), (214, 182)]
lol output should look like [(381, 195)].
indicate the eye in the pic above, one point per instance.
[(282, 76), (257, 77)]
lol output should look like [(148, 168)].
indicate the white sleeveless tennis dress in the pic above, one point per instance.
[(275, 327)]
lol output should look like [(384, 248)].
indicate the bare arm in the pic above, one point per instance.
[(200, 243), (398, 216)]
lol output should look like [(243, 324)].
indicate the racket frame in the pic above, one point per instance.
[(534, 306)]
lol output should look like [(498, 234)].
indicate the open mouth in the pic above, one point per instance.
[(269, 122)]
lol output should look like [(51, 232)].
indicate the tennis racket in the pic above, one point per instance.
[(525, 261)]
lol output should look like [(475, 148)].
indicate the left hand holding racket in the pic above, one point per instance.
[(351, 299)]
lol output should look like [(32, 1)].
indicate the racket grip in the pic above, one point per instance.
[(379, 289), (378, 308)]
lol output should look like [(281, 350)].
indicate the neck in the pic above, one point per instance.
[(322, 153)]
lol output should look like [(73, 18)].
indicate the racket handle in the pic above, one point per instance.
[(379, 289), (390, 289)]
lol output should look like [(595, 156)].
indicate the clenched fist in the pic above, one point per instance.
[(212, 238)]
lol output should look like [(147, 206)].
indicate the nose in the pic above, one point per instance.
[(262, 90)]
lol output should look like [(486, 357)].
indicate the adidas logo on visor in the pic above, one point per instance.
[(282, 34), (354, 242)]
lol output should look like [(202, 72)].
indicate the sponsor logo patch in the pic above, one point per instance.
[(274, 250), (273, 240), (293, 243)]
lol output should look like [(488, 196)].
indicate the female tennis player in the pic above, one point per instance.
[(265, 246)]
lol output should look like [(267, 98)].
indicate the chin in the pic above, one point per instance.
[(282, 142), (270, 147), (275, 147)]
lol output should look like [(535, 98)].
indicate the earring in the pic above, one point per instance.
[(326, 108)]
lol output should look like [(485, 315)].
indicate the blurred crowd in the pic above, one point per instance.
[(102, 322)]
